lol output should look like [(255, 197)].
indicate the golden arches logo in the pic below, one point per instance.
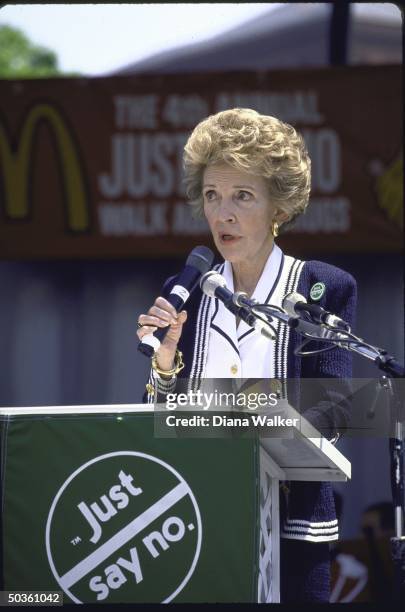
[(16, 166)]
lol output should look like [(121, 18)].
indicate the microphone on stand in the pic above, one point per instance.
[(295, 304), (198, 262), (213, 284)]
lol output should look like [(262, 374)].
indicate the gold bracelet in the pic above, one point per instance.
[(178, 365)]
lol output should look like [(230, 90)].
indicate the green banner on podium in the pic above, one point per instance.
[(98, 507)]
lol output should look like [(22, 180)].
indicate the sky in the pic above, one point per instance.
[(94, 39)]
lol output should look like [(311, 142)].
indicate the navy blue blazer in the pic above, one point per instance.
[(307, 510)]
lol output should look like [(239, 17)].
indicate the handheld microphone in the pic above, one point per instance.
[(295, 304), (213, 284), (198, 262)]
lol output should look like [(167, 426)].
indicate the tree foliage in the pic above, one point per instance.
[(20, 58)]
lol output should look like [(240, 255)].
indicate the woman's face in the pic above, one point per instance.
[(239, 213)]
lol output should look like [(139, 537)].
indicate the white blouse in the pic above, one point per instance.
[(242, 352)]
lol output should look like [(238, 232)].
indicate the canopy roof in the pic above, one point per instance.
[(290, 36)]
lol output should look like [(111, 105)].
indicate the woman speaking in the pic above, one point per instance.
[(250, 175)]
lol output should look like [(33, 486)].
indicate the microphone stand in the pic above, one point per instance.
[(394, 371)]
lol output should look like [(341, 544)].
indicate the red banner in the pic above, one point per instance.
[(93, 167)]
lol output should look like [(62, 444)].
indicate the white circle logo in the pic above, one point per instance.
[(125, 527)]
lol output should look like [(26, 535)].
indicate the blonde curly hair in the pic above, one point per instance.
[(259, 144)]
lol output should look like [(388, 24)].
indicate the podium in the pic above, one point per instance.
[(97, 505)]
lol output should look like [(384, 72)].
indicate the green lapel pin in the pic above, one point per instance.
[(317, 291)]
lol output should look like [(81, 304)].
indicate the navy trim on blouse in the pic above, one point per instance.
[(280, 269), (224, 335)]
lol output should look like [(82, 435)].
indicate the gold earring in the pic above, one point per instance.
[(274, 228)]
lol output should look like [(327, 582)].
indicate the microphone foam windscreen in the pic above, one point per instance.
[(210, 282), (289, 302), (201, 258)]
